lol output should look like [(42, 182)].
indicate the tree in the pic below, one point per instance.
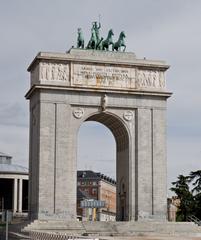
[(181, 188), (197, 209), (195, 178), (188, 191)]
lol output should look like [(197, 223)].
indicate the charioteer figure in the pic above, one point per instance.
[(95, 40), (96, 28)]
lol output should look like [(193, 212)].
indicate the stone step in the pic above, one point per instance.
[(54, 226), (117, 228)]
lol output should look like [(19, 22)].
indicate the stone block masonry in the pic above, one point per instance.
[(127, 95)]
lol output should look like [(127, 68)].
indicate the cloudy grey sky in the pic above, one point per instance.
[(156, 29)]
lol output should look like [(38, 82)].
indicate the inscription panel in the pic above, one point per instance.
[(112, 77), (103, 76)]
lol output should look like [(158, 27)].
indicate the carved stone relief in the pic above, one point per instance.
[(78, 112), (104, 102), (54, 72), (128, 115), (150, 79), (99, 76)]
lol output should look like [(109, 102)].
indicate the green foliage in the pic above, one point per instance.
[(188, 190), (195, 178)]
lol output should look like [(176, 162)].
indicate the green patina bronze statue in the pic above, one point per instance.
[(80, 38), (97, 43), (120, 43), (95, 40), (108, 41), (96, 28)]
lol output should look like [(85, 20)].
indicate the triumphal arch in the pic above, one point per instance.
[(126, 94)]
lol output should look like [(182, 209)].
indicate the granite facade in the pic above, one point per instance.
[(125, 94)]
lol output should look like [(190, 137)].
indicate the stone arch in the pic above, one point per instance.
[(111, 88), (116, 125)]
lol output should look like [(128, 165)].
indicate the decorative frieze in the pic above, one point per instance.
[(54, 72), (150, 79), (99, 76)]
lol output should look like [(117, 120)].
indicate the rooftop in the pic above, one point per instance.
[(88, 174), (6, 165), (12, 168), (4, 155)]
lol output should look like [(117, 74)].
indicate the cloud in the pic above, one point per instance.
[(14, 141), (13, 114)]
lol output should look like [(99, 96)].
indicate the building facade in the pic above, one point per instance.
[(173, 205), (97, 186), (13, 186)]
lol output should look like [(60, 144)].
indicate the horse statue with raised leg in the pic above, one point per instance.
[(120, 43), (108, 41), (80, 38)]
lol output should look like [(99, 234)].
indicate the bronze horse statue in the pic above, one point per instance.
[(108, 41), (80, 38), (120, 43)]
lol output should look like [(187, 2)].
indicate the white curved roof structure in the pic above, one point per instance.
[(6, 165)]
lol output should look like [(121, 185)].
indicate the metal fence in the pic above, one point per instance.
[(56, 236)]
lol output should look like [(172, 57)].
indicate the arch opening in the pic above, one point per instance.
[(121, 136)]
